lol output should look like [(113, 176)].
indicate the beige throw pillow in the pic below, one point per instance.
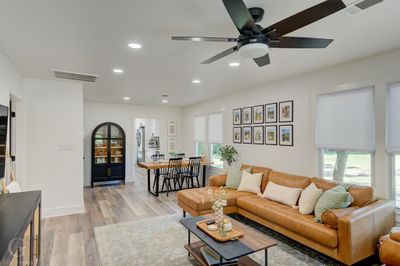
[(250, 182), (282, 194), (309, 198)]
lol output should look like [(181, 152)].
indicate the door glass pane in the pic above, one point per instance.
[(347, 166), (116, 151), (100, 151), (397, 180), (200, 149), (102, 132), (115, 132), (215, 154)]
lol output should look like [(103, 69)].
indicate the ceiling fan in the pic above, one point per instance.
[(254, 41)]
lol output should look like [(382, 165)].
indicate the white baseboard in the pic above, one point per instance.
[(60, 211)]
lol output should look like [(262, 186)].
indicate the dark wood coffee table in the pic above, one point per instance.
[(251, 242)]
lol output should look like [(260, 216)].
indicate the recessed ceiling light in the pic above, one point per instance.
[(134, 45), (126, 98), (234, 64), (164, 98), (118, 70), (196, 81), (196, 39)]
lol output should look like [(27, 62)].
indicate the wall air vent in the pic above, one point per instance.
[(75, 76), (357, 6)]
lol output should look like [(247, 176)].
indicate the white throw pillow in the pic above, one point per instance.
[(250, 182), (282, 194), (309, 198)]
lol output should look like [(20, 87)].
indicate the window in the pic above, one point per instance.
[(396, 174), (348, 167), (393, 137), (200, 149), (200, 146), (208, 137), (345, 134)]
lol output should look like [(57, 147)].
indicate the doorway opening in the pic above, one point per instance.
[(147, 138)]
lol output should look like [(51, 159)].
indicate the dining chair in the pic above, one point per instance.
[(191, 172), (172, 173), (156, 157), (180, 155)]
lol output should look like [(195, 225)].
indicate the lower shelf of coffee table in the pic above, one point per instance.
[(194, 250)]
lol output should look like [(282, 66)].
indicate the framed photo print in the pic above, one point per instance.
[(171, 144), (286, 135), (286, 111), (258, 114), (271, 113), (237, 135), (258, 135), (247, 135), (237, 116), (246, 116), (271, 135), (171, 129)]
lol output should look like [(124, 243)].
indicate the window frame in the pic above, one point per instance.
[(207, 141), (321, 164), (392, 173)]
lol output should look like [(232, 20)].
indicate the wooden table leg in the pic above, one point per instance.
[(204, 175)]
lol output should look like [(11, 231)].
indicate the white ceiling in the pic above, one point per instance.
[(91, 36)]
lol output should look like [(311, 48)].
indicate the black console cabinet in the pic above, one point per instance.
[(108, 153)]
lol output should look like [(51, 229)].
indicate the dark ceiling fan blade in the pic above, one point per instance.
[(300, 42), (240, 15), (221, 55), (203, 39), (262, 61), (304, 18)]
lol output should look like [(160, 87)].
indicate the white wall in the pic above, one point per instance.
[(11, 85), (53, 113), (302, 159), (124, 115)]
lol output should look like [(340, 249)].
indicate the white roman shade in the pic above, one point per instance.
[(200, 129), (393, 135), (346, 120), (215, 128)]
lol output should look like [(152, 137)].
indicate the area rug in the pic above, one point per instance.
[(160, 241)]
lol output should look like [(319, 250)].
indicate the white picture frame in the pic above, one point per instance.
[(171, 144), (171, 129)]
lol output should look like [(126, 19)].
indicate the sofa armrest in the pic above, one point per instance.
[(217, 180), (389, 252), (359, 231)]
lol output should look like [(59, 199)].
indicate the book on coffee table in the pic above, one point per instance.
[(212, 258)]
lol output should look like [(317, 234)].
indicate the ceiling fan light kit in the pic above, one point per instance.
[(253, 50), (254, 41)]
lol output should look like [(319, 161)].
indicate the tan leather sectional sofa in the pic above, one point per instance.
[(354, 239)]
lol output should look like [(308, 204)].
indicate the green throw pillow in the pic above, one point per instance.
[(335, 198), (235, 177)]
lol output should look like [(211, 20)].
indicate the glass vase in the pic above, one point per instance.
[(219, 216)]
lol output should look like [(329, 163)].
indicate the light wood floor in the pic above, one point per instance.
[(69, 240)]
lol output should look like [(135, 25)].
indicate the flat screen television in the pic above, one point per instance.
[(3, 138)]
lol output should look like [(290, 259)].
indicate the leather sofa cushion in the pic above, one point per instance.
[(290, 219), (258, 169), (288, 180), (197, 198), (330, 218), (362, 195)]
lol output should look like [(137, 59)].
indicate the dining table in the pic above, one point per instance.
[(157, 165)]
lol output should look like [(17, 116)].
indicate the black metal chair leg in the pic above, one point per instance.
[(198, 183), (162, 186)]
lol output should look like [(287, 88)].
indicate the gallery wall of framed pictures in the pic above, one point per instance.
[(268, 124)]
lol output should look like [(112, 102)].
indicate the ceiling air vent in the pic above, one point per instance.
[(75, 76), (357, 6)]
